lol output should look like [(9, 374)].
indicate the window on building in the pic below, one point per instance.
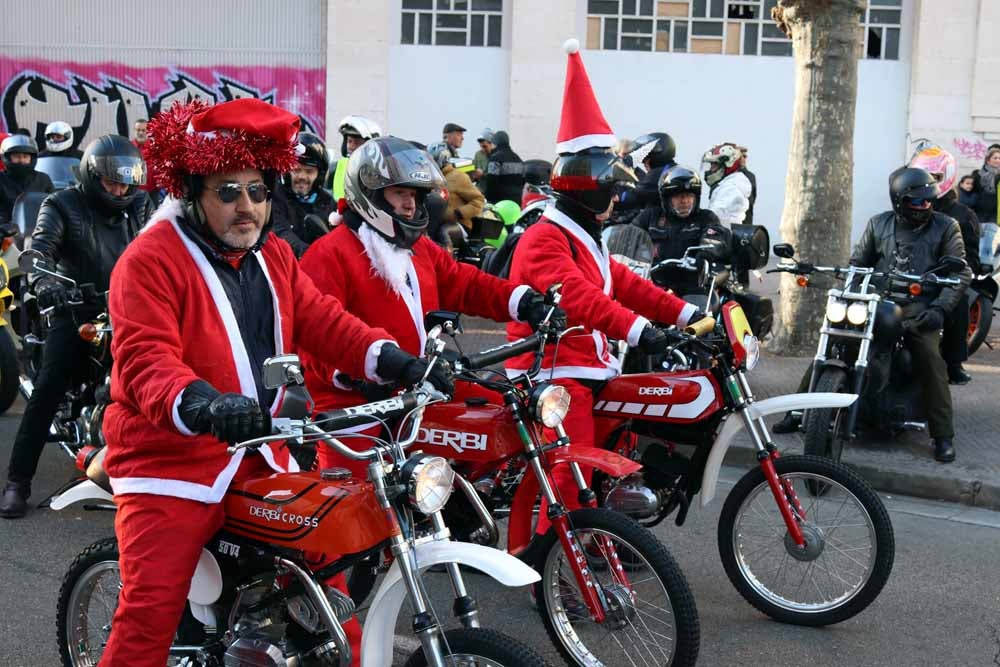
[(452, 22), (732, 27)]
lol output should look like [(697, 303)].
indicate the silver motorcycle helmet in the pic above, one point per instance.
[(386, 162), (58, 136)]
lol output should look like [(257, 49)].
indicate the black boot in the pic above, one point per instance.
[(944, 450), (14, 503), (789, 424), (957, 374)]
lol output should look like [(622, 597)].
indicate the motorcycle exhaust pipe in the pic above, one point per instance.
[(318, 597)]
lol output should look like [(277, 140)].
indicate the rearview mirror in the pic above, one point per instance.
[(448, 320), (281, 370), (951, 264), (26, 262), (784, 250)]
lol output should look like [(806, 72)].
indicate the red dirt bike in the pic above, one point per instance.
[(254, 599), (802, 538), (611, 594)]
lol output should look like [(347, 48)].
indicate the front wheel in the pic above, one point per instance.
[(847, 556), (824, 430), (480, 647), (651, 618), (88, 598), (10, 378)]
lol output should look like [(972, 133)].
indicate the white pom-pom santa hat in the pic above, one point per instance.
[(582, 125)]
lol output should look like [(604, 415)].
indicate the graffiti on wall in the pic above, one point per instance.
[(971, 150), (97, 99)]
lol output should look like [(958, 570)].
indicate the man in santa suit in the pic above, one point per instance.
[(599, 294), (199, 300), (383, 268)]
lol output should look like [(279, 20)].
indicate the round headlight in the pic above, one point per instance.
[(857, 313), (549, 404), (429, 482), (752, 345), (836, 311)]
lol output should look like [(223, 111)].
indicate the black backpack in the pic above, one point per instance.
[(500, 261)]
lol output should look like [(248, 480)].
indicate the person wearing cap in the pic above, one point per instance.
[(19, 154), (453, 134), (482, 156), (382, 266), (302, 207), (599, 294), (201, 298), (355, 130), (504, 172)]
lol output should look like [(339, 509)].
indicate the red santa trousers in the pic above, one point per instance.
[(160, 539)]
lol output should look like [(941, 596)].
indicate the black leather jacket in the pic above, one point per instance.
[(10, 188), (967, 222), (288, 214), (83, 241), (672, 237), (504, 177), (940, 237)]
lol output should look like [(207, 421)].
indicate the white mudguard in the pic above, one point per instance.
[(769, 406), (83, 490), (380, 624)]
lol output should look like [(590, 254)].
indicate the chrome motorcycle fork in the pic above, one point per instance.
[(465, 608)]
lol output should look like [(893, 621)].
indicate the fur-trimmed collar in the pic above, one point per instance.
[(389, 262)]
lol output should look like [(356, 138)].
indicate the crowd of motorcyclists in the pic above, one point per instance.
[(264, 244)]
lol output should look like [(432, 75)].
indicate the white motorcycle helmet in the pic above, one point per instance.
[(62, 129), (357, 126)]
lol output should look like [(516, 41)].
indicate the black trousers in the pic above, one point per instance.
[(955, 336), (64, 361)]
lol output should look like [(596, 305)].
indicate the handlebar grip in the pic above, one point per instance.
[(703, 326), (335, 420), (486, 358)]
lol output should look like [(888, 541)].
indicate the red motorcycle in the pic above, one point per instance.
[(611, 594), (802, 538)]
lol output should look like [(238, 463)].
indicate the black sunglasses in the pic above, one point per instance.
[(230, 192)]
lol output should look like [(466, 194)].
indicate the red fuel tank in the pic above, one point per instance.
[(302, 511), (470, 433), (683, 398)]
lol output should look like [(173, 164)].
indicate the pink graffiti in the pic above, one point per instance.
[(971, 150), (98, 98)]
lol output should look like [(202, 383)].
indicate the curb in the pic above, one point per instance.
[(972, 492)]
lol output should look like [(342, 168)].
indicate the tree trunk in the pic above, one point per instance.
[(818, 187)]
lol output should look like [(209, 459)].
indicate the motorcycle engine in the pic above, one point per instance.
[(632, 497)]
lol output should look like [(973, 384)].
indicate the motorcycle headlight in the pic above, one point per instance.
[(857, 313), (752, 345), (429, 482), (549, 404), (836, 311)]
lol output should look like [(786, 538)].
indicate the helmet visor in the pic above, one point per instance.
[(409, 167), (125, 169), (589, 171)]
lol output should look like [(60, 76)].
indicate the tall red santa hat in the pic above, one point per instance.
[(198, 139), (582, 125)]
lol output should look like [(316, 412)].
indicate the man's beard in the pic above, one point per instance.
[(241, 239), (301, 186)]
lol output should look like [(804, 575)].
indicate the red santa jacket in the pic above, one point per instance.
[(173, 324), (598, 293), (338, 265)]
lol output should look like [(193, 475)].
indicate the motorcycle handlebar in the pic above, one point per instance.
[(336, 420), (495, 355)]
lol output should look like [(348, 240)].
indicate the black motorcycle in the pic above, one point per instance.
[(862, 350)]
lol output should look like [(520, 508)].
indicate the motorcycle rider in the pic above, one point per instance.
[(81, 232), (465, 201), (383, 268), (198, 302), (355, 130), (752, 177), (913, 237), (599, 294), (660, 152), (954, 340), (504, 171), (20, 155), (730, 189), (59, 141), (301, 207), (680, 223)]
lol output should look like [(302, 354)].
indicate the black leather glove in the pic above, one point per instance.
[(931, 319), (533, 309), (229, 417), (653, 340), (396, 365), (51, 295)]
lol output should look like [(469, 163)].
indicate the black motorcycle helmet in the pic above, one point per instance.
[(663, 151), (537, 172), (379, 164), (115, 158), (19, 143), (591, 178), (913, 192), (676, 180), (312, 153)]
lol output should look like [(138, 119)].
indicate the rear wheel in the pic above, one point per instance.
[(88, 598), (480, 647), (980, 320), (823, 433)]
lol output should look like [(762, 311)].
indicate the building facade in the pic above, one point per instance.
[(705, 71)]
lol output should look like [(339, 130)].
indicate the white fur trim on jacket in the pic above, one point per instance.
[(635, 331), (598, 253), (573, 372), (181, 489), (515, 301), (175, 413)]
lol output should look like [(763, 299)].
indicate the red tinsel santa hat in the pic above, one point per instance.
[(582, 125), (198, 139)]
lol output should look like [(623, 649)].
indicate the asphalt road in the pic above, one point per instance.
[(940, 607)]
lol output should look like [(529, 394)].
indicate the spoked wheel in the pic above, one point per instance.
[(651, 617), (479, 647), (849, 547), (980, 320), (87, 602)]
